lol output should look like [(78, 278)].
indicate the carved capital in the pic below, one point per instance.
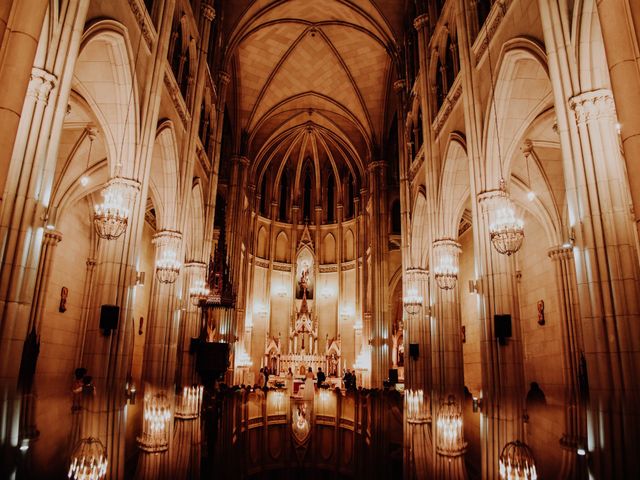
[(41, 84), (561, 252), (224, 77), (52, 237), (421, 21), (594, 105), (209, 12), (399, 85)]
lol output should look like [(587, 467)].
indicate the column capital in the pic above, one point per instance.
[(41, 84), (224, 77), (240, 159), (420, 21), (399, 85), (560, 252), (209, 12), (52, 237), (593, 105), (91, 262), (378, 164)]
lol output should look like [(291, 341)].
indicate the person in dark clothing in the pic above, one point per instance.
[(321, 376)]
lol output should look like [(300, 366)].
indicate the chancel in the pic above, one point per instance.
[(284, 239)]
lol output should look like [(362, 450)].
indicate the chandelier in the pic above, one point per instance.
[(167, 263), (517, 463), (506, 229), (414, 400), (445, 252), (88, 460), (413, 299), (363, 360), (155, 423), (110, 218), (450, 427), (243, 360), (198, 292), (188, 404)]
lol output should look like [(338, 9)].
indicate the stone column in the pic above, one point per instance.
[(575, 435), (502, 362), (620, 24), (21, 23)]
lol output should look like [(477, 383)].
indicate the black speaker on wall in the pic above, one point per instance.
[(393, 376), (502, 327), (109, 316), (414, 350)]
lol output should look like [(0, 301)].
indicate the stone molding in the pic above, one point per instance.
[(421, 21), (41, 84), (144, 22), (593, 105), (208, 12)]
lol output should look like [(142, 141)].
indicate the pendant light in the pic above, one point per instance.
[(445, 270)]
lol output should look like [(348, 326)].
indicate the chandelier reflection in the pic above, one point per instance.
[(156, 423), (445, 270), (88, 460), (415, 405), (517, 462), (110, 218), (413, 299), (188, 404), (449, 425), (506, 229)]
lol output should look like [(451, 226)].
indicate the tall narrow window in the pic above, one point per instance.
[(263, 196), (284, 190), (350, 204), (331, 199), (306, 210)]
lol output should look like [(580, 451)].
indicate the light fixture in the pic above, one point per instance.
[(88, 460), (84, 179), (363, 360), (413, 299), (527, 149), (414, 400), (198, 292), (506, 229), (167, 263), (517, 462), (243, 360), (446, 252), (156, 423), (110, 218), (449, 427), (188, 404)]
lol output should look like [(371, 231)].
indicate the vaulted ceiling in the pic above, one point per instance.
[(325, 65)]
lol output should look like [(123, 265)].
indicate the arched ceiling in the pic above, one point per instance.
[(326, 65)]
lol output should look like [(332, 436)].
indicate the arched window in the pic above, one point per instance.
[(439, 86), (331, 185), (284, 193), (186, 73), (417, 128), (176, 51)]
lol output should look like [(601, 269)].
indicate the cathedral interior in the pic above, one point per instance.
[(393, 239)]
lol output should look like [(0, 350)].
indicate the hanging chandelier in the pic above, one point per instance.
[(506, 229), (363, 360), (243, 360), (167, 263), (415, 405), (155, 423), (110, 218), (188, 404), (197, 272), (445, 270), (450, 428), (198, 292), (413, 299), (517, 462), (88, 460)]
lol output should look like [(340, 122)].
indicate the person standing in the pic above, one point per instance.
[(290, 382), (309, 389), (321, 377)]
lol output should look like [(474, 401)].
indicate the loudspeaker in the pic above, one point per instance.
[(502, 327), (212, 359), (414, 350), (393, 376), (109, 316)]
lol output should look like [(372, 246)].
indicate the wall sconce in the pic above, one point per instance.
[(140, 279), (473, 286), (477, 404), (130, 392)]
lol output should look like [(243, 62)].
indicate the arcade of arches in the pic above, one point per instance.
[(284, 239)]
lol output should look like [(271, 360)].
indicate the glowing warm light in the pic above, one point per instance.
[(531, 195), (517, 463), (449, 427), (506, 231), (445, 270), (168, 267), (363, 361), (155, 423), (243, 360), (188, 404), (84, 180), (88, 460), (414, 400), (198, 291), (110, 218), (412, 299)]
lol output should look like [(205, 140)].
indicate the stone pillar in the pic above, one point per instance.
[(620, 24), (502, 362), (575, 435), (380, 328), (21, 23)]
